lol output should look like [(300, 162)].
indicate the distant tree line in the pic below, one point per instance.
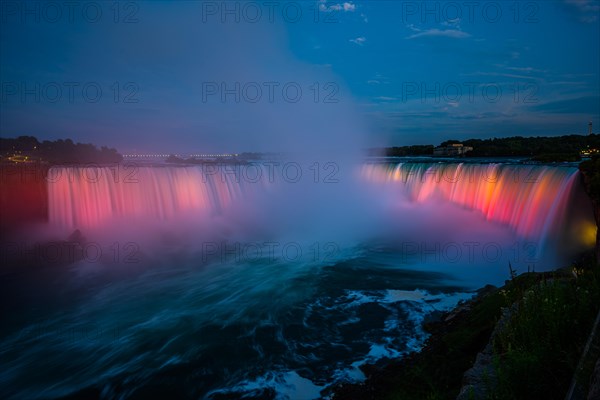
[(402, 151), (57, 151), (566, 147), (531, 146)]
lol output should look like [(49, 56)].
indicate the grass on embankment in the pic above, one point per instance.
[(537, 351)]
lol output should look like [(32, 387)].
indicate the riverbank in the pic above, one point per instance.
[(533, 355)]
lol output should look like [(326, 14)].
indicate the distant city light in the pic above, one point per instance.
[(179, 155)]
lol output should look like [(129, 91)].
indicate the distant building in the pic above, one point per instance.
[(589, 152), (590, 128), (453, 150)]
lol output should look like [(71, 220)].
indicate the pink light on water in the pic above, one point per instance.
[(532, 200), (527, 198), (76, 200)]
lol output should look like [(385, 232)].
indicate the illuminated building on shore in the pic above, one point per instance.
[(453, 150)]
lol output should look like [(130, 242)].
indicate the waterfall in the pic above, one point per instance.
[(86, 197), (531, 199)]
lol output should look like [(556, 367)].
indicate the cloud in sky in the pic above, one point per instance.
[(434, 32), (349, 7), (346, 6), (454, 23), (378, 79), (385, 98), (524, 69), (582, 105), (359, 40), (503, 74), (453, 31), (588, 9)]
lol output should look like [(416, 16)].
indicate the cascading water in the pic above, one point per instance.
[(87, 197), (532, 200), (503, 193), (272, 325)]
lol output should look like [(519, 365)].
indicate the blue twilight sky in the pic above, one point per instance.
[(187, 76)]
